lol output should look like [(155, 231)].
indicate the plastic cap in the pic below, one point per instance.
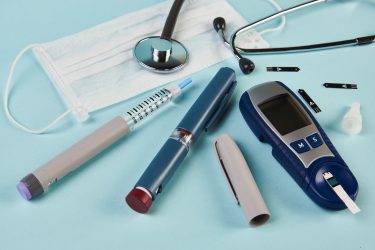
[(352, 121), (139, 200), (30, 187), (185, 83), (24, 191)]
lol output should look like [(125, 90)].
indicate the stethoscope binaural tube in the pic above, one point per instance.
[(162, 54), (247, 66), (171, 20)]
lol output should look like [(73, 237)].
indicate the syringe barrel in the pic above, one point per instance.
[(148, 106)]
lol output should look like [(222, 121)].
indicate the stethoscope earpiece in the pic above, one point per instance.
[(246, 65), (219, 24)]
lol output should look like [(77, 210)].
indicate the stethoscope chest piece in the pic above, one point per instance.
[(160, 55)]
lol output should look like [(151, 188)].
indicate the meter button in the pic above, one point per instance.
[(314, 140), (300, 146)]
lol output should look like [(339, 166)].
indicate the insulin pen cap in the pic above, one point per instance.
[(241, 181), (139, 200), (29, 187)]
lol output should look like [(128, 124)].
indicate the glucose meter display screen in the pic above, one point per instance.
[(284, 114)]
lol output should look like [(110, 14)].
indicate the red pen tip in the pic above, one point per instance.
[(139, 200)]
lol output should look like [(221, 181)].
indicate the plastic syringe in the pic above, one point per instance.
[(37, 182)]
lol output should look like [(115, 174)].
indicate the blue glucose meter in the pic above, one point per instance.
[(299, 144)]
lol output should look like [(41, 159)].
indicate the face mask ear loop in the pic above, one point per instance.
[(6, 100), (280, 26)]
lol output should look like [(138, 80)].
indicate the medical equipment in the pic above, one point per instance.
[(352, 121), (201, 117), (283, 69), (309, 101), (241, 181), (340, 85), (339, 190), (162, 54), (247, 66), (38, 181), (299, 144)]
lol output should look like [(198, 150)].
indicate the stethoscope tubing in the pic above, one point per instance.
[(171, 20), (265, 20), (301, 48)]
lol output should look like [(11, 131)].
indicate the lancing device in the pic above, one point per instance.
[(241, 181), (37, 182), (201, 116)]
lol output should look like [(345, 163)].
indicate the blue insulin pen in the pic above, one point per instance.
[(201, 116)]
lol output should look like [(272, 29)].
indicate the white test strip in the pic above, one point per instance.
[(341, 193)]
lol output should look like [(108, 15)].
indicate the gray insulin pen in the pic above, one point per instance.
[(201, 116), (37, 182)]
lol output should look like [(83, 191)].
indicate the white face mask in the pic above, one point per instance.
[(95, 68)]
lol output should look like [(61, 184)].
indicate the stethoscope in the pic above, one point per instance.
[(162, 54), (247, 66)]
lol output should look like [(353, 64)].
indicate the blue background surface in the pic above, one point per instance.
[(196, 211)]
